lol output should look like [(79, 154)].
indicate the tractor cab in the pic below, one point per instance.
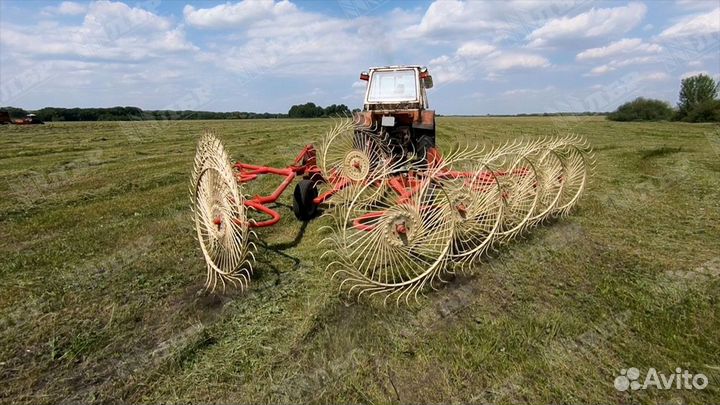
[(396, 106)]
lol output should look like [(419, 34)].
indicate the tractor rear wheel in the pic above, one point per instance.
[(303, 196), (423, 143)]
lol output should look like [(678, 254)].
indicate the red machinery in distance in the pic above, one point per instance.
[(30, 119)]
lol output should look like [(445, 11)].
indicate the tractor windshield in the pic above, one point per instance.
[(393, 86)]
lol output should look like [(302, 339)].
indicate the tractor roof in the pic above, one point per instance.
[(397, 67)]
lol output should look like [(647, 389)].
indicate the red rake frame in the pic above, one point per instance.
[(305, 165)]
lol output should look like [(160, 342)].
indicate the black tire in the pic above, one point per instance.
[(424, 142), (303, 196)]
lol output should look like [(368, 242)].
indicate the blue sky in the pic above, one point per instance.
[(486, 57)]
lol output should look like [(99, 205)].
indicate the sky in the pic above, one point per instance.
[(486, 57)]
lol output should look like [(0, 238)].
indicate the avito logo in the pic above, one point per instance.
[(681, 379)]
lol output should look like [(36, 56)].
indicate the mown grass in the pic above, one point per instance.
[(102, 281)]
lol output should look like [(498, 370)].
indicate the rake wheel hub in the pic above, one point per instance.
[(401, 228), (220, 230), (356, 165)]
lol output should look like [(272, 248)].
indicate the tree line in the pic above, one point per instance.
[(310, 110), (131, 114), (698, 102), (307, 110)]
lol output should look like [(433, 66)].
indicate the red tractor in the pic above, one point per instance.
[(396, 107)]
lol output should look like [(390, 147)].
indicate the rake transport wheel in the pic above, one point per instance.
[(574, 175), (397, 245), (221, 221), (477, 203), (303, 196)]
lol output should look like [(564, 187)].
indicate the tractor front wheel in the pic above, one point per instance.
[(303, 205)]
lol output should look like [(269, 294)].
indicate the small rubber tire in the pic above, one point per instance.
[(303, 196), (423, 143)]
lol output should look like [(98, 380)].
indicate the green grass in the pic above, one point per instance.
[(102, 280)]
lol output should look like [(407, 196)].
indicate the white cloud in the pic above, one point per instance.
[(475, 49), (528, 92), (456, 16), (656, 76), (591, 24), (601, 70), (708, 23), (115, 19), (509, 61), (474, 59), (279, 38), (108, 58), (446, 69), (623, 46), (66, 8), (109, 31), (638, 60), (233, 15), (493, 20), (619, 63)]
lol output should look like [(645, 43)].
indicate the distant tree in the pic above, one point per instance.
[(705, 111), (343, 110), (337, 110), (310, 110), (695, 90), (14, 112), (642, 109)]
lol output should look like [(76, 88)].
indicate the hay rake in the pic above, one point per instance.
[(401, 215), (397, 225)]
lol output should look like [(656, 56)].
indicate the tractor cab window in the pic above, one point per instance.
[(393, 86)]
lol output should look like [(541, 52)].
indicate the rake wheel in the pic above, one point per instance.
[(518, 177), (349, 154), (549, 184), (478, 206), (395, 245), (576, 167), (221, 221)]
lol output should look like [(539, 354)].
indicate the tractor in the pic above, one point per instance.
[(396, 106), (394, 111)]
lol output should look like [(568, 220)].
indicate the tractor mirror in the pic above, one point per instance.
[(364, 76), (428, 82)]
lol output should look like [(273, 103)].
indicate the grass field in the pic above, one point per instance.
[(102, 280)]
